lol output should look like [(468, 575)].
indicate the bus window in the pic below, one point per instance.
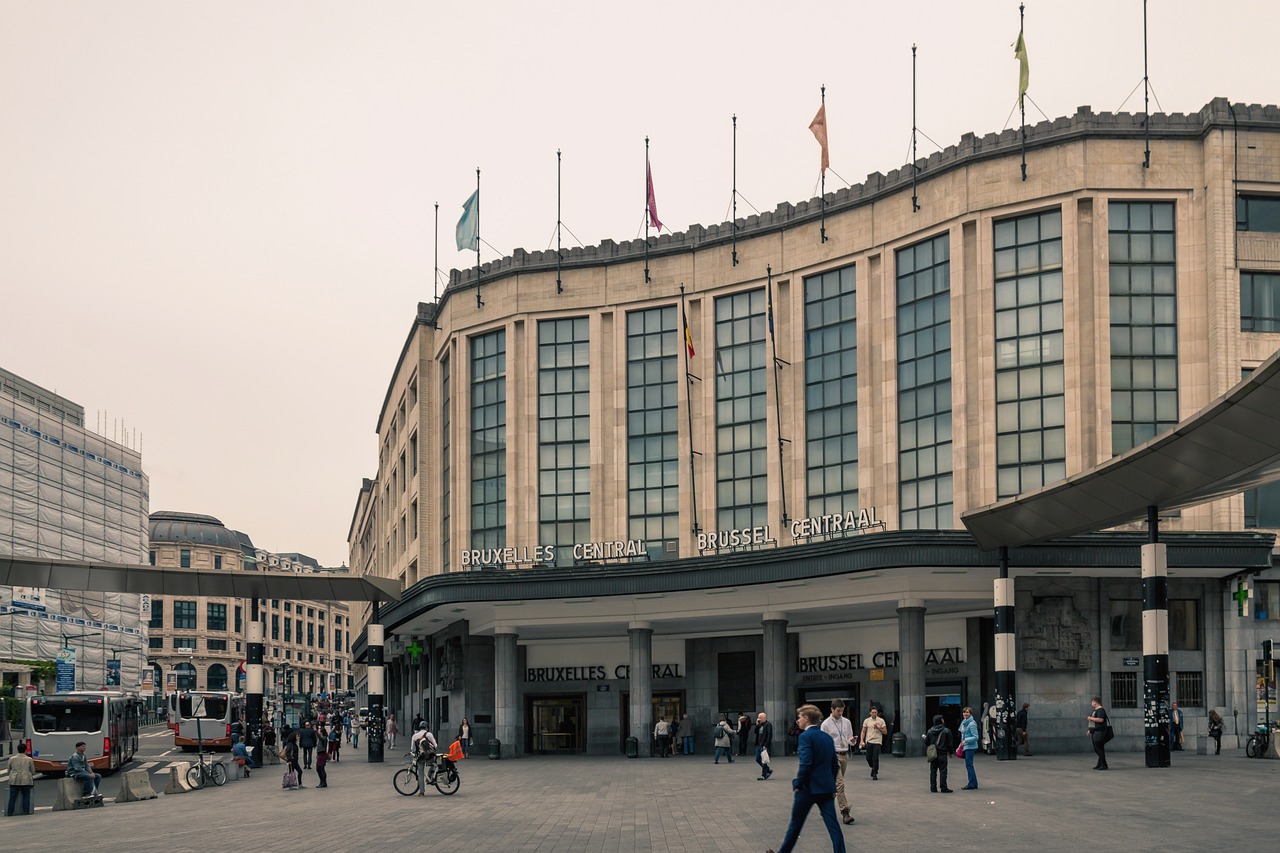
[(56, 717), (204, 707)]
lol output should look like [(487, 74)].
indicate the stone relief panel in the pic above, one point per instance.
[(1054, 635)]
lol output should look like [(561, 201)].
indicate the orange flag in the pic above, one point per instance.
[(819, 128)]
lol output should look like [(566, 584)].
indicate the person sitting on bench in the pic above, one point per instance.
[(78, 768), (240, 752)]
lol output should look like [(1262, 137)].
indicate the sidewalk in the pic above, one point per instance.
[(689, 805)]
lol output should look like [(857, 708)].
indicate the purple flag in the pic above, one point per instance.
[(653, 203)]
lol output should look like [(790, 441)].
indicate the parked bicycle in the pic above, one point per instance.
[(204, 771), (1256, 745), (442, 772)]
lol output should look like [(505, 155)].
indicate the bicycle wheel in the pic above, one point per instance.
[(447, 781), (1251, 747), (218, 773), (406, 781), (195, 776)]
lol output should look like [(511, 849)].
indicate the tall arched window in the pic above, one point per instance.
[(158, 675), (217, 677), (186, 676)]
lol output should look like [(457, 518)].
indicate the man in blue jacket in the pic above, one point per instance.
[(815, 780)]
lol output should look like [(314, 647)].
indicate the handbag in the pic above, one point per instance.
[(931, 752), (1108, 734), (290, 780), (960, 751), (764, 756)]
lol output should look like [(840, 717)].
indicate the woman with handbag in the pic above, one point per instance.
[(1215, 730), (969, 736)]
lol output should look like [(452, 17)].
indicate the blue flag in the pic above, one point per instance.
[(468, 231)]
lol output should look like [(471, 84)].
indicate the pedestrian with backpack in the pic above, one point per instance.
[(938, 750)]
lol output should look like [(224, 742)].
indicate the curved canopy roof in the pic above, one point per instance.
[(1231, 445), (167, 526), (117, 577)]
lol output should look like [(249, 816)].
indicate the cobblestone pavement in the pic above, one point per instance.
[(689, 805)]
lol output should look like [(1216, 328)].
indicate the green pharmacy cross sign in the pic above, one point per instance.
[(1242, 596), (415, 650)]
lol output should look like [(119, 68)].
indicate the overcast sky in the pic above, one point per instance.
[(216, 219)]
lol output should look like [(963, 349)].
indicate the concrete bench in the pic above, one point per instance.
[(178, 778), (69, 792), (135, 785)]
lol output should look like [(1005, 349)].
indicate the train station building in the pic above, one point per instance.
[(725, 470)]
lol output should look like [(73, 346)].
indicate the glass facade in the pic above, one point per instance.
[(741, 471), (924, 385), (1144, 322), (1031, 417), (489, 440), (564, 435), (653, 348), (831, 391)]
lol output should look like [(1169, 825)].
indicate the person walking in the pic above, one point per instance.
[(22, 780), (1020, 730), (464, 737), (815, 782), (724, 740), (291, 755), (322, 758), (873, 731), (662, 734), (1098, 732), (969, 734), (939, 737), (391, 731), (355, 731), (744, 729), (764, 739), (840, 730), (1215, 730), (346, 725), (335, 742), (686, 735), (1176, 721)]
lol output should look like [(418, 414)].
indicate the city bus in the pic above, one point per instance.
[(171, 718), (107, 721), (205, 717)]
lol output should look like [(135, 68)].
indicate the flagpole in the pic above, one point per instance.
[(646, 210), (735, 189), (479, 301), (822, 199), (559, 288), (435, 275), (688, 410), (1146, 91), (1022, 96), (777, 402), (915, 203)]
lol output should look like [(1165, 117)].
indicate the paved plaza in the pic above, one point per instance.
[(689, 805)]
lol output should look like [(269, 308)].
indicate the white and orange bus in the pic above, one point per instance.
[(107, 721), (205, 717)]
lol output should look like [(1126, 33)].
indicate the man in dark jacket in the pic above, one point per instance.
[(307, 741), (764, 739), (815, 781), (940, 736)]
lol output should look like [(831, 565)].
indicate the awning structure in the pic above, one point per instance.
[(118, 577), (1231, 445)]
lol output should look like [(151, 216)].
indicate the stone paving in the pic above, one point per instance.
[(689, 805)]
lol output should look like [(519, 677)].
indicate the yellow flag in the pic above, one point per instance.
[(1024, 72)]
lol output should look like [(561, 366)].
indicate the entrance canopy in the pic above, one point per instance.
[(1231, 445), (119, 577)]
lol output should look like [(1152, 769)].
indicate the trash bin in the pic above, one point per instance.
[(633, 747), (495, 749), (899, 745)]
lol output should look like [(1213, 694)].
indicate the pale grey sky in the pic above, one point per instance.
[(216, 218)]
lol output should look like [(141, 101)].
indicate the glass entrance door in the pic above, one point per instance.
[(556, 724)]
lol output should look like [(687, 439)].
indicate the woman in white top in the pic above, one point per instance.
[(464, 737)]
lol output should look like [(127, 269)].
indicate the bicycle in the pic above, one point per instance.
[(1256, 745), (204, 771), (441, 770)]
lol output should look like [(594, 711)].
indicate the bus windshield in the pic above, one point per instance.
[(54, 715), (191, 707)]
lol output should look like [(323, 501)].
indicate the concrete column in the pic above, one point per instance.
[(640, 635), (254, 676), (1006, 663), (506, 697), (777, 704), (377, 690), (911, 673), (1155, 649)]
